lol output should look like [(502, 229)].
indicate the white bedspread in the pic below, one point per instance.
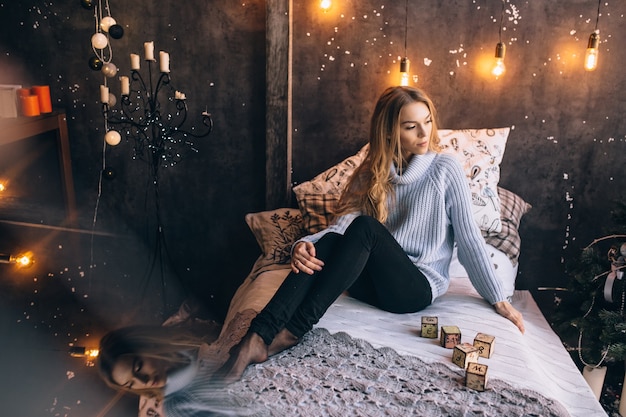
[(536, 360)]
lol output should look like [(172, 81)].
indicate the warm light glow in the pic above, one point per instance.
[(82, 352), (325, 4), (92, 353), (499, 67), (23, 260), (405, 66), (404, 79), (591, 56), (2, 187)]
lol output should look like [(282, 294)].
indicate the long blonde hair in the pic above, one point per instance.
[(369, 188), (160, 342)]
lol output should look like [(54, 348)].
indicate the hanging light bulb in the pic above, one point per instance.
[(405, 66), (325, 4), (405, 63), (23, 260), (499, 68), (591, 56)]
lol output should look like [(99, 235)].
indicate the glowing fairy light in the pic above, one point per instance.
[(90, 354), (22, 260)]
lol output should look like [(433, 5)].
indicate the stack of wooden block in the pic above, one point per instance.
[(464, 355)]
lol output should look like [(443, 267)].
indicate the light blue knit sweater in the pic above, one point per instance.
[(432, 210)]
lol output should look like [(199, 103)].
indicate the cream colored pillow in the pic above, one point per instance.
[(480, 153), (275, 232)]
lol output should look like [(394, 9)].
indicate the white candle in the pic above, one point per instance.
[(164, 61), (125, 83), (104, 94), (149, 50), (595, 378), (134, 62)]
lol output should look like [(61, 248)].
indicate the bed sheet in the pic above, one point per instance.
[(535, 360)]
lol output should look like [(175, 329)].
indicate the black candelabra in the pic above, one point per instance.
[(152, 116)]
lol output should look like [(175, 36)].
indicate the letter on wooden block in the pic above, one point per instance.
[(463, 354), (430, 327), (476, 376), (450, 336), (485, 344)]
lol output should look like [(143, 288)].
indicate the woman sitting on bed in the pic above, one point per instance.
[(392, 239)]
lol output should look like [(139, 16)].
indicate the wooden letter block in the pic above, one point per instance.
[(476, 376), (430, 327), (463, 354), (450, 336), (485, 344)]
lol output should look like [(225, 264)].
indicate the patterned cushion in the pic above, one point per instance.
[(275, 232), (334, 179), (480, 153), (317, 197), (317, 210), (508, 240), (513, 207)]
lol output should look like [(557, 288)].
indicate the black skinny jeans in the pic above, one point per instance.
[(367, 261)]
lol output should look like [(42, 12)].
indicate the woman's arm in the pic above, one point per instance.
[(472, 252)]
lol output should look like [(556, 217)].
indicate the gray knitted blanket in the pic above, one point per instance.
[(337, 375)]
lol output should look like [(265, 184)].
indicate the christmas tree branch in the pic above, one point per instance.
[(604, 238), (608, 272)]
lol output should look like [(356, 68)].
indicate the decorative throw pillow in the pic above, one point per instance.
[(480, 153), (317, 210), (512, 207), (508, 240), (334, 179), (317, 197), (276, 231)]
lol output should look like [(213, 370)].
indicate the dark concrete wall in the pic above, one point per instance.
[(217, 58), (564, 155)]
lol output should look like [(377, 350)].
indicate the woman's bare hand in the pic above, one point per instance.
[(505, 309), (303, 259)]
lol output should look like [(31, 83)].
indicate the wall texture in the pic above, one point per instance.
[(566, 150), (564, 154), (217, 58)]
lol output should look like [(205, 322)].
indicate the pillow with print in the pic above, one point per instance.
[(317, 197), (480, 152), (275, 232)]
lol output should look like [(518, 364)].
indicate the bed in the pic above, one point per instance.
[(359, 360)]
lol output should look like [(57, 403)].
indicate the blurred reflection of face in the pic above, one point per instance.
[(137, 372)]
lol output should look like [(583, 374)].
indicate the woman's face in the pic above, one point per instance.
[(415, 129), (137, 372)]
